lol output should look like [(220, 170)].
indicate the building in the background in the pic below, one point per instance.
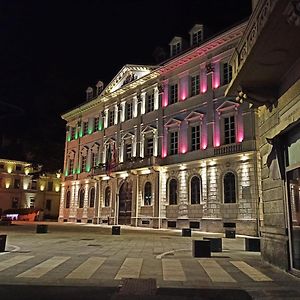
[(161, 146), (24, 186), (266, 73)]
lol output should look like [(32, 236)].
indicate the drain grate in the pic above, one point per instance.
[(141, 287)]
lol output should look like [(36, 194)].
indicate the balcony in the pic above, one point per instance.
[(228, 149), (266, 52)]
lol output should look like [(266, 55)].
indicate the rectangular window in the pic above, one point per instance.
[(85, 128), (83, 163), (71, 166), (111, 117), (32, 201), (197, 38), (150, 102), (94, 159), (15, 202), (173, 93), (73, 131), (17, 183), (50, 186), (33, 185), (18, 168), (173, 142), (96, 124), (176, 48), (195, 137), (195, 85), (229, 130), (1, 166), (149, 147), (48, 204), (227, 73), (128, 111), (128, 151)]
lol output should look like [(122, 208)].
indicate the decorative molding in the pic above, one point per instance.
[(292, 13)]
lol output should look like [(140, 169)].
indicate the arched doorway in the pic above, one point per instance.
[(125, 199)]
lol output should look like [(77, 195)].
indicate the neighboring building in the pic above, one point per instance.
[(161, 146), (266, 73), (23, 186)]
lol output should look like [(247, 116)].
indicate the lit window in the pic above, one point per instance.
[(173, 192), (128, 151), (81, 198), (229, 188), (195, 85), (111, 117), (150, 102), (229, 130), (149, 147), (107, 197), (195, 190), (147, 193), (195, 137), (173, 93), (128, 111), (173, 142), (68, 199), (227, 73), (92, 197)]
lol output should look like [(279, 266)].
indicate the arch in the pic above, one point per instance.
[(148, 193), (92, 197), (68, 199), (229, 187), (195, 189), (107, 196), (125, 200), (173, 191), (81, 197)]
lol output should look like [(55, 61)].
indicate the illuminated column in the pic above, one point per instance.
[(123, 111), (135, 106), (155, 144), (164, 148), (183, 137), (203, 79), (106, 118), (183, 86), (86, 201), (88, 160), (143, 102), (68, 133), (104, 154), (67, 168), (162, 194), (239, 125), (165, 96), (142, 145), (217, 133), (216, 75), (183, 195), (134, 142), (204, 141), (62, 203), (116, 114), (156, 98), (122, 151), (74, 200)]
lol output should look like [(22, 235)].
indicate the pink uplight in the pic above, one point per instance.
[(183, 149), (216, 75), (183, 89), (204, 146)]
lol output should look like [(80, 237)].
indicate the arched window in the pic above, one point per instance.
[(107, 197), (173, 192), (81, 198), (92, 197), (68, 199), (229, 188), (195, 190), (147, 193)]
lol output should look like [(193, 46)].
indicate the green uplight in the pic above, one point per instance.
[(76, 135), (88, 168), (74, 171), (66, 173), (100, 127), (78, 171), (69, 138)]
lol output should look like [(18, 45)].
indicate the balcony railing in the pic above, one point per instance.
[(228, 149)]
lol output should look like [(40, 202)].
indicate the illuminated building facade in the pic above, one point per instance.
[(162, 147), (21, 186), (266, 73)]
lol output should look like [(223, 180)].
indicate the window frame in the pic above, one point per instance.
[(230, 132), (234, 184), (81, 194), (128, 111), (227, 73), (68, 199), (195, 85), (92, 200), (173, 146), (191, 189), (173, 93), (170, 192), (111, 118), (150, 102), (107, 196), (147, 195)]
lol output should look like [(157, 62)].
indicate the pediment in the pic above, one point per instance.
[(148, 129), (227, 106), (175, 40), (194, 116), (109, 141), (84, 151), (128, 135), (127, 74), (95, 147), (173, 122), (71, 154)]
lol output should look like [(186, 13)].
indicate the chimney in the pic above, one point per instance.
[(99, 87), (89, 93)]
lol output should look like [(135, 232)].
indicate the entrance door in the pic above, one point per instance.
[(125, 199)]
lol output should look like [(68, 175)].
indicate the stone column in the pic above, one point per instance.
[(156, 98)]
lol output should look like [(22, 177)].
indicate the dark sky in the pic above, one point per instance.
[(51, 51)]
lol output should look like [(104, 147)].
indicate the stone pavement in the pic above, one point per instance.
[(139, 261)]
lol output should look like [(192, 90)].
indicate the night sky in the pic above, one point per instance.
[(51, 51)]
